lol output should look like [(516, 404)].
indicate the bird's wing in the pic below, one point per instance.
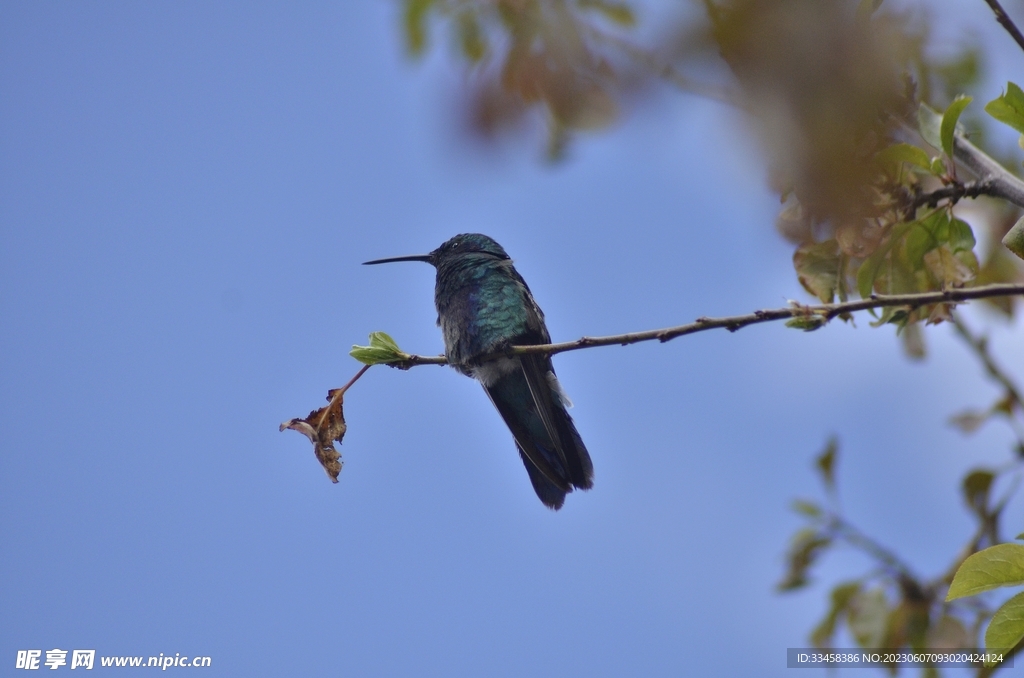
[(568, 445), (523, 439), (535, 369)]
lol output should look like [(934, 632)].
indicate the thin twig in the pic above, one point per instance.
[(667, 71), (980, 347), (353, 380), (337, 394), (822, 313), (854, 537), (1003, 18)]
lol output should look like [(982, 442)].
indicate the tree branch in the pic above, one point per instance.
[(953, 193), (820, 314), (1001, 183), (1003, 18), (998, 181)]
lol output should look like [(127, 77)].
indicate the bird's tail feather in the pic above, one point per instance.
[(550, 494), (546, 437), (549, 401)]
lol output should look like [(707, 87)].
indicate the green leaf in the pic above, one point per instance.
[(416, 25), (471, 37), (1007, 625), (807, 323), (929, 123), (826, 463), (925, 236), (1000, 565), (806, 508), (865, 8), (1009, 107), (382, 351), (817, 269), (868, 270), (841, 596), (976, 487), (384, 341), (1020, 536), (897, 316), (904, 153), (961, 236), (1014, 238), (893, 315), (868, 618), (807, 544), (949, 120), (942, 248), (616, 12)]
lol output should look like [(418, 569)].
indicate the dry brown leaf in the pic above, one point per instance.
[(324, 427)]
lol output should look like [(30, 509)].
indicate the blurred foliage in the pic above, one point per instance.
[(860, 124), (842, 94), (531, 55), (891, 607), (825, 88)]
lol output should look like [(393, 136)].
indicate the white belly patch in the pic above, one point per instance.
[(491, 371)]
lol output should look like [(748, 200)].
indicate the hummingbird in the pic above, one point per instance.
[(484, 307)]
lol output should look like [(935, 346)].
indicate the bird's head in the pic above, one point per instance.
[(462, 245)]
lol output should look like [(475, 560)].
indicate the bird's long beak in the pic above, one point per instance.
[(428, 258)]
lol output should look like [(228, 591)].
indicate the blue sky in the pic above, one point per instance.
[(186, 192)]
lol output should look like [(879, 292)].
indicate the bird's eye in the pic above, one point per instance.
[(455, 245)]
